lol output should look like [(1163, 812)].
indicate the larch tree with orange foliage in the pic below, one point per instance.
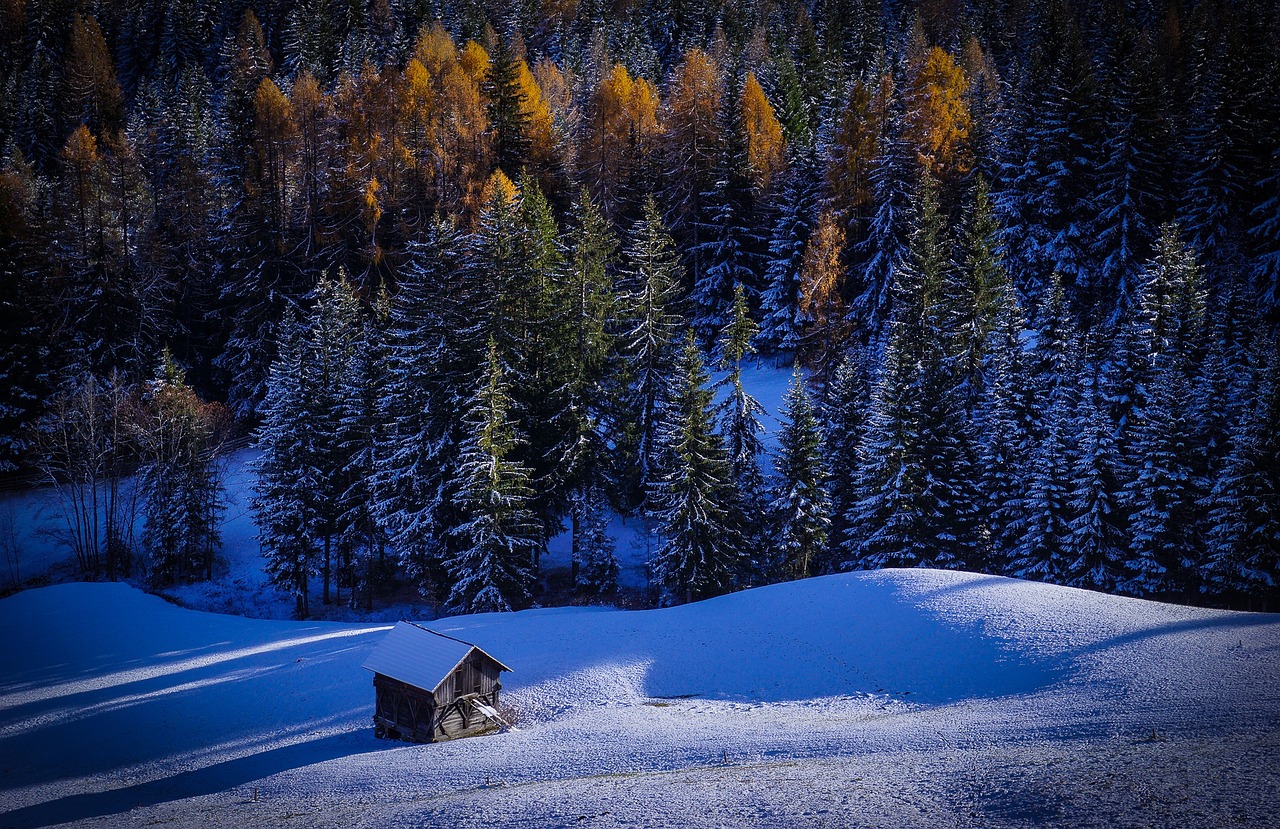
[(852, 153), (275, 133), (766, 148), (93, 95), (313, 111), (692, 149), (621, 130), (937, 121), (821, 305)]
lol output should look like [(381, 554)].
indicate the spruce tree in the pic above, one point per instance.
[(801, 508), (1097, 544), (650, 279), (918, 502), (1243, 519), (506, 110), (797, 211), (691, 498), (430, 370), (363, 439), (587, 390), (284, 501), (333, 329), (498, 536), (741, 429), (1162, 456)]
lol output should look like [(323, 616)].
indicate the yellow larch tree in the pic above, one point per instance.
[(275, 134), (938, 122), (852, 153), (820, 301), (766, 148), (620, 132)]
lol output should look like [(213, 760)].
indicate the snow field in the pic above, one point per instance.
[(897, 698)]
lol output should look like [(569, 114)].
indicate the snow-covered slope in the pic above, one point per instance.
[(898, 698)]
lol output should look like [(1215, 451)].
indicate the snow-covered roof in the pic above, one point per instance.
[(419, 657)]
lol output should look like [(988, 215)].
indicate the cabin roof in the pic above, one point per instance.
[(420, 657)]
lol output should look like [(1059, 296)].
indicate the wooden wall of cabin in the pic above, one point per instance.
[(455, 718), (408, 710)]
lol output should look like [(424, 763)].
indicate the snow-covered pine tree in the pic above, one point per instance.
[(975, 291), (1131, 172), (1006, 442), (1162, 497), (801, 508), (498, 536), (587, 394), (597, 563), (1098, 545), (1264, 232), (536, 346), (691, 497), (1243, 507), (430, 370), (797, 211), (887, 247), (333, 327), (739, 423), (284, 494), (844, 413), (1162, 456), (732, 250), (650, 281), (1040, 549), (363, 438), (918, 497)]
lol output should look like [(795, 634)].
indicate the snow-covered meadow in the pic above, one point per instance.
[(896, 699)]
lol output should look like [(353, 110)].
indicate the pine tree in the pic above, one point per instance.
[(333, 329), (499, 535), (1164, 482), (975, 293), (740, 427), (885, 250), (797, 211), (587, 390), (1243, 521), (597, 576), (845, 412), (1006, 442), (430, 365), (801, 508), (730, 249), (691, 497), (363, 439), (284, 504), (918, 498), (508, 119), (650, 278), (1097, 542)]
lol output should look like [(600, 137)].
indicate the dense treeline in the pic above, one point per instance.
[(464, 263)]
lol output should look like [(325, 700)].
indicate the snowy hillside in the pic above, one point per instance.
[(897, 698)]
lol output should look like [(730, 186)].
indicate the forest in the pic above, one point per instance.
[(465, 272)]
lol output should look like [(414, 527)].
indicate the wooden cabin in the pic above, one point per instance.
[(431, 687)]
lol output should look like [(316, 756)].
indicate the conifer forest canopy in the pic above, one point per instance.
[(472, 274)]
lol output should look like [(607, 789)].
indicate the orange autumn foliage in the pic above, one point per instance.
[(766, 148), (937, 115)]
